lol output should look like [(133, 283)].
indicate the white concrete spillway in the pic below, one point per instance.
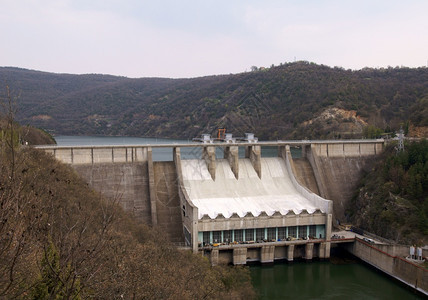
[(226, 195)]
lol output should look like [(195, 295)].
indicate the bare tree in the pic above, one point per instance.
[(10, 138)]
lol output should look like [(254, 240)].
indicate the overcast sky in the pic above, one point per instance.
[(189, 38)]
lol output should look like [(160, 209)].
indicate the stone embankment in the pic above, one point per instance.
[(391, 259)]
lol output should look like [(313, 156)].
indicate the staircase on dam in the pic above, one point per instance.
[(305, 174), (168, 211)]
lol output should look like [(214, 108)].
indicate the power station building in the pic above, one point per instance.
[(238, 210)]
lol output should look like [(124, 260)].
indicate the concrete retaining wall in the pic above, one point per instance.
[(381, 257)]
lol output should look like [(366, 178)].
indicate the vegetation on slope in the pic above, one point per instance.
[(293, 100), (61, 240), (393, 199), (12, 133), (26, 135)]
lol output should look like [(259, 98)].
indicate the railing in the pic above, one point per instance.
[(225, 144), (258, 244), (371, 235)]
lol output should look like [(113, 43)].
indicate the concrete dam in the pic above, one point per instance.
[(233, 209)]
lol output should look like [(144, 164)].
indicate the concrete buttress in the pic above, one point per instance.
[(267, 255), (309, 251), (254, 154), (239, 256), (231, 154), (208, 154), (214, 257), (290, 252)]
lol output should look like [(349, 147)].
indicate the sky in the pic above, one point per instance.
[(192, 38)]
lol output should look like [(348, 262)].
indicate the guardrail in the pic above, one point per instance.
[(225, 144), (371, 235)]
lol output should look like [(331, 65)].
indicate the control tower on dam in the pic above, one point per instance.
[(236, 207)]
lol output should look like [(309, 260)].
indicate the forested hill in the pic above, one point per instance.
[(392, 200), (293, 100)]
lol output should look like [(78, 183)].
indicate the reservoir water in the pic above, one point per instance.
[(159, 154), (338, 279)]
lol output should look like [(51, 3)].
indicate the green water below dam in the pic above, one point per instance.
[(326, 280)]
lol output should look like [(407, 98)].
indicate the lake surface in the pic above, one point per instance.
[(315, 280)]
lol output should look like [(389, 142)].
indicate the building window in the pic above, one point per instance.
[(206, 237), (292, 231), (260, 234), (238, 235), (313, 231), (321, 231), (216, 236), (249, 235), (227, 236), (282, 233), (271, 234), (187, 237), (303, 231), (184, 210)]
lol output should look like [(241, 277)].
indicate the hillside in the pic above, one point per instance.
[(27, 134), (392, 200), (294, 100), (61, 240)]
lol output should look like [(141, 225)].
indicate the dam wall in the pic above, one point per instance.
[(122, 174), (338, 169), (125, 183), (151, 191)]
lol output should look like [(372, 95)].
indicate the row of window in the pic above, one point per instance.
[(262, 234)]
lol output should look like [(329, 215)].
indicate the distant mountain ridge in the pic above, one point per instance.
[(293, 100)]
